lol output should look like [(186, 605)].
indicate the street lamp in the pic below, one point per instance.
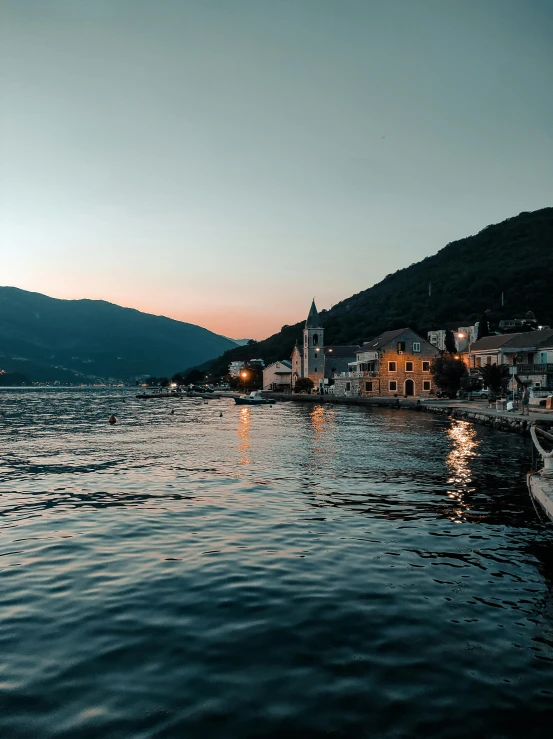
[(466, 336)]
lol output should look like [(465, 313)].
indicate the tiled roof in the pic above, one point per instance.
[(530, 339), (285, 362), (383, 339), (491, 342)]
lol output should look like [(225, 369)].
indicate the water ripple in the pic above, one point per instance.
[(286, 571)]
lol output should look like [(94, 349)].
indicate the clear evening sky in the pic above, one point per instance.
[(224, 161)]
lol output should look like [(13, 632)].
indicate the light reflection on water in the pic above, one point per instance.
[(244, 421), (288, 571), (464, 448)]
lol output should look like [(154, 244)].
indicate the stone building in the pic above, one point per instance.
[(395, 363)]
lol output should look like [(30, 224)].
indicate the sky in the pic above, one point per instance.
[(223, 161)]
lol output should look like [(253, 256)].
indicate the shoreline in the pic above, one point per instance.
[(511, 421)]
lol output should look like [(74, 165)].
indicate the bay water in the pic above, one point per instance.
[(295, 570)]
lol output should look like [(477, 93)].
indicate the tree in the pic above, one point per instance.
[(193, 376), (304, 385), (448, 373), (496, 377), (178, 378), (483, 327), (449, 341), (251, 376)]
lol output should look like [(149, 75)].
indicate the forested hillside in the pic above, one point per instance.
[(82, 340), (467, 277)]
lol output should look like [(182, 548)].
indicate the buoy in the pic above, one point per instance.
[(112, 420), (221, 414)]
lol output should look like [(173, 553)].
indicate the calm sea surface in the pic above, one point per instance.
[(269, 572)]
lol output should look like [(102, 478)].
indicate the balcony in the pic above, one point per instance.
[(355, 374), (534, 369)]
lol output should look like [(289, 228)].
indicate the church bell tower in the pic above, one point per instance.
[(313, 347)]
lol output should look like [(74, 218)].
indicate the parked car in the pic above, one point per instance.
[(474, 394)]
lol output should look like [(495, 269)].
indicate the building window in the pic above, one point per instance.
[(348, 387), (426, 366), (416, 346), (393, 385), (400, 346), (408, 366), (488, 360), (305, 340), (315, 339), (392, 366), (426, 385), (368, 387), (478, 361), (315, 369)]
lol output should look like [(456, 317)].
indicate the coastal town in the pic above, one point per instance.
[(401, 363)]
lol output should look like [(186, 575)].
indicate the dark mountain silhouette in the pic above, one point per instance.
[(467, 278), (76, 340)]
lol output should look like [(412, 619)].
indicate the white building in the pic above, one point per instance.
[(278, 376), (234, 368)]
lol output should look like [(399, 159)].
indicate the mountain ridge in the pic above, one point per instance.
[(53, 339)]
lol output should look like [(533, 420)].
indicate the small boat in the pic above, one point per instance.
[(540, 483), (254, 398)]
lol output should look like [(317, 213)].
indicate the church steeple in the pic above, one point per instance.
[(313, 320), (313, 347)]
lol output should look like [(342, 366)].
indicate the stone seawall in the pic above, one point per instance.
[(501, 420)]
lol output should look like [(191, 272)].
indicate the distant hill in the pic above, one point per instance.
[(467, 277), (48, 339)]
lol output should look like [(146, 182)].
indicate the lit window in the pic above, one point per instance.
[(408, 366), (416, 346), (393, 385), (426, 366), (426, 385), (392, 366)]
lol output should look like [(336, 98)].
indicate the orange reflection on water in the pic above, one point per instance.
[(322, 420), (463, 436), (243, 431)]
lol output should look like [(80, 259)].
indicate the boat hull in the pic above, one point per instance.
[(541, 489), (247, 401)]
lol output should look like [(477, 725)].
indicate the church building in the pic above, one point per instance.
[(315, 360)]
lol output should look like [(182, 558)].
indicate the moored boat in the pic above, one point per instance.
[(254, 398), (540, 483)]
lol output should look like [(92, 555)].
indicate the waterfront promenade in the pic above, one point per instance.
[(473, 410)]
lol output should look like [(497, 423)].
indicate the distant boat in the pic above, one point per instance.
[(540, 483), (254, 398)]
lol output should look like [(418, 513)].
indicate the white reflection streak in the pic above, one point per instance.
[(463, 436)]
